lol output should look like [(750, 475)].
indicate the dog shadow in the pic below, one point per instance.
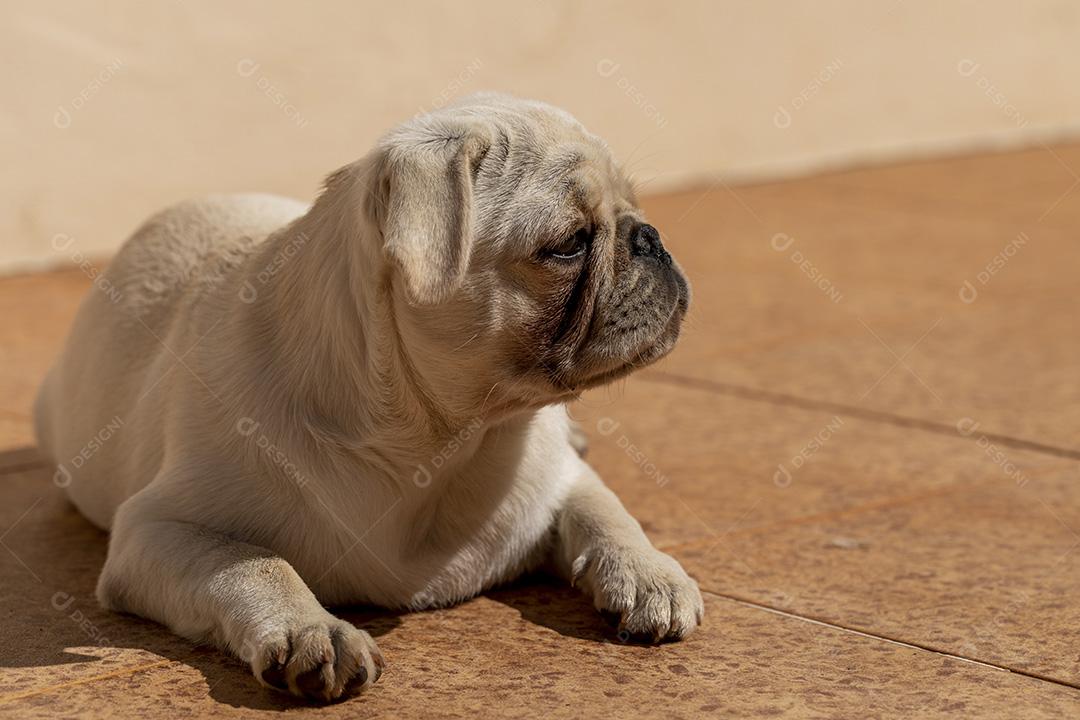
[(49, 618), (549, 602)]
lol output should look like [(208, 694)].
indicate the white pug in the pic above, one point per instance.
[(362, 401)]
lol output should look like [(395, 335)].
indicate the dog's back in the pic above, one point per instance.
[(122, 342)]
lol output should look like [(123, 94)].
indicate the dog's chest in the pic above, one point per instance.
[(441, 542)]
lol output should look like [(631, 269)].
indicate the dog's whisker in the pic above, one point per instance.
[(462, 345)]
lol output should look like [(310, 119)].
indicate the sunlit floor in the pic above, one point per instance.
[(865, 449)]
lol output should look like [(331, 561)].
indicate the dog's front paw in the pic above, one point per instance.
[(320, 659), (648, 590)]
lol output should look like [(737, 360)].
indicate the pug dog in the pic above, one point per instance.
[(363, 401)]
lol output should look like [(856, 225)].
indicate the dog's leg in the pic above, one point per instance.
[(600, 548), (206, 586)]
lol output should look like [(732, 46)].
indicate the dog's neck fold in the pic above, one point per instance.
[(324, 323)]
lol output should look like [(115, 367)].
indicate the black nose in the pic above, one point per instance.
[(645, 242)]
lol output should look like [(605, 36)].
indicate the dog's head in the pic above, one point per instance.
[(515, 254)]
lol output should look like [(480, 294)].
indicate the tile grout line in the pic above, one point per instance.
[(884, 638), (783, 399)]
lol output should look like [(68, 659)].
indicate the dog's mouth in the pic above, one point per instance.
[(649, 352), (653, 352)]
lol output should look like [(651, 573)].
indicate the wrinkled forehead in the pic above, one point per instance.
[(545, 173)]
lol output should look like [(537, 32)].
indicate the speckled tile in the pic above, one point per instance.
[(987, 571), (535, 648), (906, 530), (925, 536), (692, 465), (701, 473), (833, 290)]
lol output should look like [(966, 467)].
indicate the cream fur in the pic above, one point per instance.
[(295, 434)]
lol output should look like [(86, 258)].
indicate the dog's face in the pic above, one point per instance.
[(517, 253)]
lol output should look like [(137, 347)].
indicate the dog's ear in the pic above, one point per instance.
[(426, 205)]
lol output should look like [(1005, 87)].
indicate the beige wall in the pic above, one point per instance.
[(112, 110)]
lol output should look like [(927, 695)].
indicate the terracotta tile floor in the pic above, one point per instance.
[(875, 479)]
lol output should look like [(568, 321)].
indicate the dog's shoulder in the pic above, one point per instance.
[(194, 243)]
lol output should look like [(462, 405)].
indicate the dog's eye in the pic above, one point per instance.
[(572, 247)]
